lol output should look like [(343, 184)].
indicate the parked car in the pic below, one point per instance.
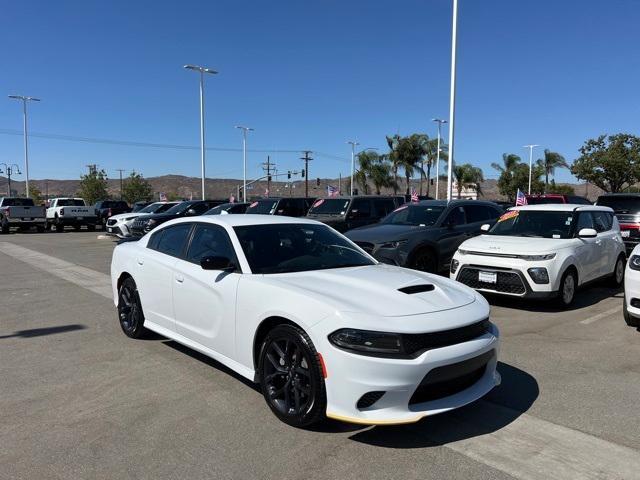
[(626, 207), (424, 235), (347, 213), (298, 308), (108, 208), (557, 198), (191, 208), (120, 225), (137, 206), (227, 208), (21, 213), (631, 301), (543, 251), (72, 212), (290, 206)]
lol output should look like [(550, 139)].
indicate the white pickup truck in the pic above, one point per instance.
[(22, 213), (70, 211)]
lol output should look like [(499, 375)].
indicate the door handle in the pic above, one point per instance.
[(140, 262), (179, 278)]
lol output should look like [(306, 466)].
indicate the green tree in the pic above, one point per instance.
[(609, 162), (514, 175), (431, 158), (562, 189), (93, 186), (407, 153), (393, 157), (468, 176), (136, 189), (549, 163), (35, 194), (509, 163)]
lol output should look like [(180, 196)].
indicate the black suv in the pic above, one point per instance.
[(289, 207), (145, 223), (425, 235), (626, 207), (346, 213), (108, 208)]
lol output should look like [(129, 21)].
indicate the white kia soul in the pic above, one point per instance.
[(631, 305), (541, 251)]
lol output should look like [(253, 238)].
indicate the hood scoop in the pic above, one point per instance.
[(411, 289)]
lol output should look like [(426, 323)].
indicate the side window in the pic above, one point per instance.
[(361, 208), (384, 206), (585, 220), (478, 213), (209, 241), (603, 221), (155, 238), (200, 208), (174, 239), (455, 217)]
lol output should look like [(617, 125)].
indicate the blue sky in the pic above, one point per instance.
[(311, 75)]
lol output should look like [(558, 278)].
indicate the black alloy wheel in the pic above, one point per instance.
[(130, 311), (291, 377), (425, 261)]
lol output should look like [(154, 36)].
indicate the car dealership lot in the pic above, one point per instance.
[(81, 400)]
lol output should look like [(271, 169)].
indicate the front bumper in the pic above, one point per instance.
[(350, 376)]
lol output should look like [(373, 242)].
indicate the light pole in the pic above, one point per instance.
[(244, 159), (24, 100), (440, 122), (452, 97), (202, 71), (9, 169), (530, 147), (353, 144)]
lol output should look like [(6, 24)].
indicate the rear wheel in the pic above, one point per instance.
[(77, 227), (91, 228), (617, 277), (130, 311), (40, 228), (425, 260), (59, 226), (291, 376), (4, 227), (568, 286)]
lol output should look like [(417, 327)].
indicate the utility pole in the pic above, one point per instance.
[(440, 122), (267, 167), (46, 189), (120, 170), (306, 159), (93, 168), (353, 144), (340, 183), (9, 169), (452, 99), (530, 147), (24, 100)]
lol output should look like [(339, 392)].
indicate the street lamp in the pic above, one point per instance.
[(202, 71), (440, 122), (353, 144), (244, 160), (24, 100), (452, 97), (9, 169), (530, 147)]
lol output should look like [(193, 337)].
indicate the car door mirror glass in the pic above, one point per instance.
[(587, 233), (217, 263)]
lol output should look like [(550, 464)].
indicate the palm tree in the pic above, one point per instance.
[(366, 159), (468, 176), (431, 158), (393, 142), (407, 153), (509, 163), (549, 163), (380, 175)]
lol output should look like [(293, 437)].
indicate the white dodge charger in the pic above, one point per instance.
[(324, 328)]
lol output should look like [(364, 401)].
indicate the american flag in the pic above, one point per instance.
[(163, 197), (520, 199), (332, 191), (414, 195)]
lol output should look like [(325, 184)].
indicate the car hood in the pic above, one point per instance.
[(161, 217), (122, 216), (374, 290), (377, 233), (514, 245)]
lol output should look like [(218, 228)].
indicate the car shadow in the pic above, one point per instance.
[(41, 332), (496, 410)]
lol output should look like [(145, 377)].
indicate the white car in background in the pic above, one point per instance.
[(631, 305), (324, 328), (120, 225), (542, 251)]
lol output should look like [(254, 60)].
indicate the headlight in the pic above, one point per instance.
[(537, 258), (462, 252), (367, 342), (394, 244), (454, 265), (539, 274), (634, 262)]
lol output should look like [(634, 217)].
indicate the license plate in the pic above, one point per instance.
[(626, 233), (79, 219), (487, 277)]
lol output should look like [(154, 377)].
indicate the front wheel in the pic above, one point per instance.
[(130, 311), (291, 377), (425, 260), (568, 286)]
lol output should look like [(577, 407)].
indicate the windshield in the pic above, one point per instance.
[(17, 202), (262, 207), (178, 208), (543, 200), (157, 208), (70, 202), (534, 223), (295, 247), (621, 203), (330, 206), (426, 215)]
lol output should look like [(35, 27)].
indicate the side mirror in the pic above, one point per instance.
[(485, 227), (587, 233), (217, 263), (191, 212)]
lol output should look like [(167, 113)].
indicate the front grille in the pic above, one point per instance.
[(415, 344), (448, 380), (366, 246), (369, 399), (506, 281)]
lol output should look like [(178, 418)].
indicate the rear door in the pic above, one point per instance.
[(360, 213), (608, 242), (478, 215), (589, 250), (453, 231)]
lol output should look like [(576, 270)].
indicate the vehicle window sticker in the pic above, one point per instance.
[(508, 215)]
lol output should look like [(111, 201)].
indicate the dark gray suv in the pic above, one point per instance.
[(425, 235)]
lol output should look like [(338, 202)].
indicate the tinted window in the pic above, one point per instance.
[(383, 206), (534, 223), (361, 208), (585, 220), (578, 200), (17, 202), (479, 213), (209, 241), (200, 208), (70, 202), (455, 217), (621, 203), (263, 207), (174, 239), (412, 214), (602, 221), (329, 206)]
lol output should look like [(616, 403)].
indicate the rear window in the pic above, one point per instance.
[(114, 204), (330, 206), (70, 202), (620, 203), (544, 200), (263, 207), (17, 202)]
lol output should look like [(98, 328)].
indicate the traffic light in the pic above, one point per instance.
[(269, 177), (318, 182), (289, 174), (303, 173)]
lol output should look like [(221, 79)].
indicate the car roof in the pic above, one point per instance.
[(246, 219), (563, 207)]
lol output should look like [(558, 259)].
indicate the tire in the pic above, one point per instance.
[(103, 223), (291, 377), (130, 314), (4, 227), (40, 228), (47, 225), (628, 319), (91, 228), (617, 277), (424, 260), (77, 227), (569, 282), (59, 226)]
